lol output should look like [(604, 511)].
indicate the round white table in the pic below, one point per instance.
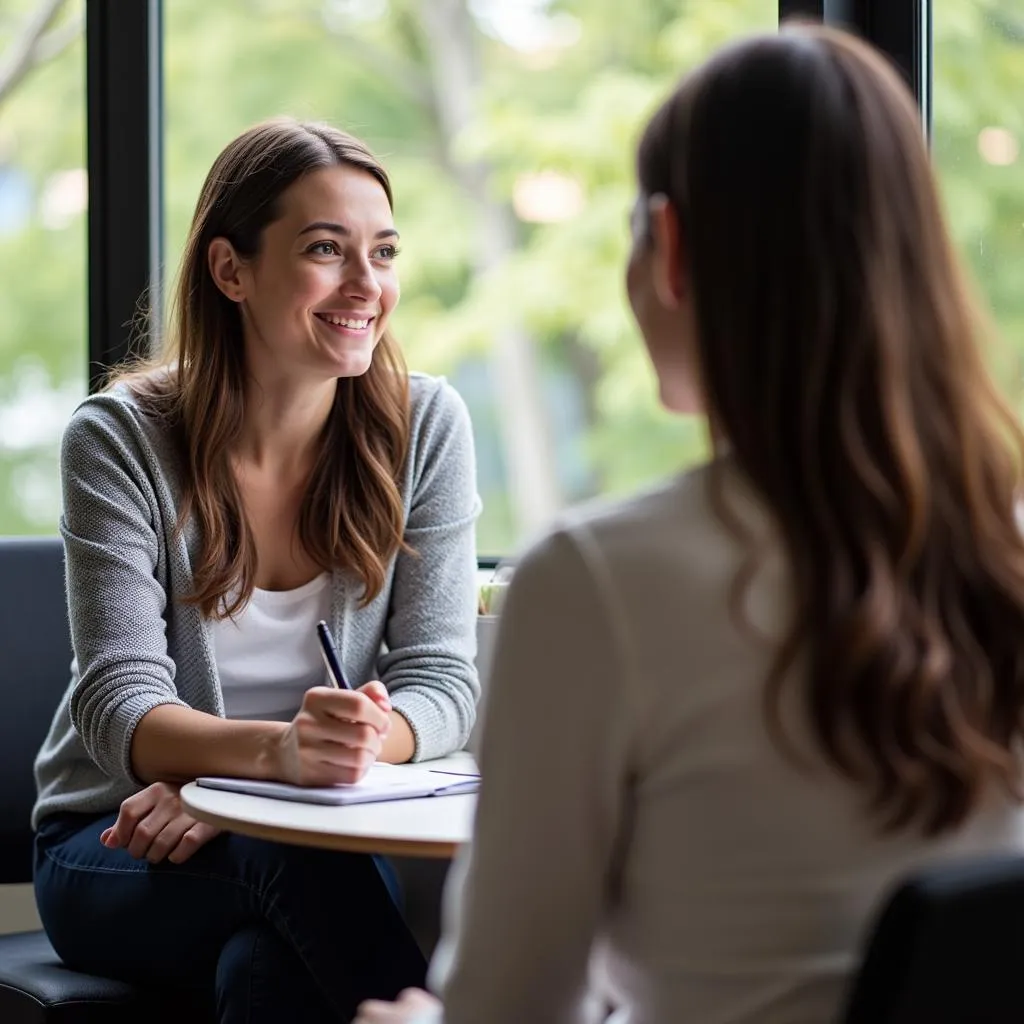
[(429, 827)]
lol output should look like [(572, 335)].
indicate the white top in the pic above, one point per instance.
[(268, 655), (636, 824)]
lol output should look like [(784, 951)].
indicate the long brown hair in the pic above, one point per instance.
[(839, 355), (352, 515)]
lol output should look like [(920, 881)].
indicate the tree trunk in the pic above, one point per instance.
[(450, 45)]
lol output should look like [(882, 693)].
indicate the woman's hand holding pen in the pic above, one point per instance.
[(336, 735)]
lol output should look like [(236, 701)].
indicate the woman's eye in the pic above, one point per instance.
[(324, 249), (385, 252)]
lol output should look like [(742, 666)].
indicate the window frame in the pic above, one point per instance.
[(124, 160)]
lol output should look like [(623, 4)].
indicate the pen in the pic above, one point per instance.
[(330, 656)]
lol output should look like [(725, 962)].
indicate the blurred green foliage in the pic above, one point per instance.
[(573, 106)]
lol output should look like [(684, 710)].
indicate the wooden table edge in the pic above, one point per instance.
[(435, 848)]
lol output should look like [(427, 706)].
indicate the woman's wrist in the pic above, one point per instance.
[(400, 742), (269, 762)]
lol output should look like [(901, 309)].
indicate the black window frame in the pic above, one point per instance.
[(124, 160)]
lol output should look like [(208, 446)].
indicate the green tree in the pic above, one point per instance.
[(42, 250), (465, 105), (461, 116), (979, 79)]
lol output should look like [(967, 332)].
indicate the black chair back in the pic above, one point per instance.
[(947, 949), (35, 666)]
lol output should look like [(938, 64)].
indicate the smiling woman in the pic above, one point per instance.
[(275, 466), (264, 286)]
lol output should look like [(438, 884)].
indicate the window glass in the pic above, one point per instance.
[(978, 133), (43, 351), (508, 128)]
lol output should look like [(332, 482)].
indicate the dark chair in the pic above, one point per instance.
[(948, 948), (35, 658)]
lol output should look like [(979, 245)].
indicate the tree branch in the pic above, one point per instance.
[(32, 45), (1009, 26), (414, 85), (404, 74), (54, 43)]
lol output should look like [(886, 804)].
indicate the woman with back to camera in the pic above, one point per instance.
[(725, 717), (276, 467)]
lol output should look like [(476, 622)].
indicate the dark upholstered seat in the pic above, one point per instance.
[(948, 948), (35, 659)]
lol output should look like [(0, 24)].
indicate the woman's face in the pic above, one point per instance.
[(657, 282), (316, 298)]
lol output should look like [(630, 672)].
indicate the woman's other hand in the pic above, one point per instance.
[(414, 1006), (336, 735), (152, 824)]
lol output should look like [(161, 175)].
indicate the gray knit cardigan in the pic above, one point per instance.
[(136, 645)]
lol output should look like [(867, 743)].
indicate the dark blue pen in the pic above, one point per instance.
[(330, 655)]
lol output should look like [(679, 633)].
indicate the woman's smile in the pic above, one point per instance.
[(347, 325)]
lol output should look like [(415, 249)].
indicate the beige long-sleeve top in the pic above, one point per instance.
[(640, 840)]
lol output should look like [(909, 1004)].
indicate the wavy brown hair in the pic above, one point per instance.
[(839, 355), (352, 515)]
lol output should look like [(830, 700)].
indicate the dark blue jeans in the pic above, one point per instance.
[(271, 932)]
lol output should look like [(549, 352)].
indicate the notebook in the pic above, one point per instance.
[(381, 782)]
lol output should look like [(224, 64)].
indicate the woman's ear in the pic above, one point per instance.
[(668, 264), (226, 269)]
